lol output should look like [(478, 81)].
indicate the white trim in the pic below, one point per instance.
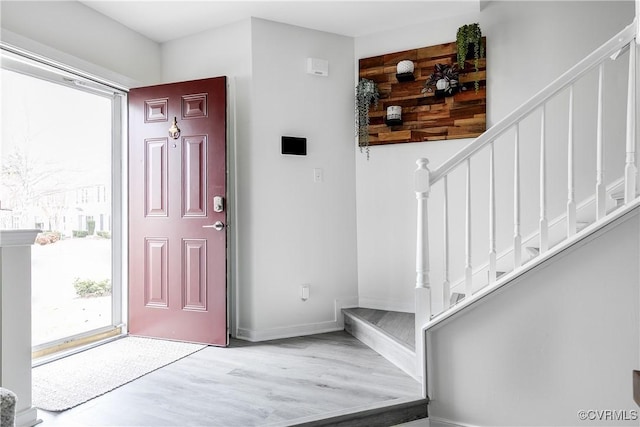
[(123, 225), (27, 417), (339, 304), (18, 237), (637, 19), (118, 214), (387, 304), (288, 331), (337, 324), (36, 50), (233, 290)]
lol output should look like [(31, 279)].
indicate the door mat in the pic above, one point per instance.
[(75, 379)]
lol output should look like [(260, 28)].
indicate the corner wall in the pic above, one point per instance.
[(292, 230), (528, 45)]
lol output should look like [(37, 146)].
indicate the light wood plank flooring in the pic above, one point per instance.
[(399, 325), (251, 384)]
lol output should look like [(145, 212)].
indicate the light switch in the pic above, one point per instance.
[(317, 175)]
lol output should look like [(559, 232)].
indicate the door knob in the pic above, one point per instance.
[(218, 225)]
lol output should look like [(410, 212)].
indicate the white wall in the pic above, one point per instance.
[(561, 339), (528, 45), (293, 231), (77, 35)]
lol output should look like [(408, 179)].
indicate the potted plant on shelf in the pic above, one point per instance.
[(469, 39), (366, 94), (445, 80)]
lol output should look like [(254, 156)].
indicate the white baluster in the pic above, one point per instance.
[(422, 291), (422, 188), (630, 169), (601, 210), (544, 226), (517, 237), (468, 271), (446, 285), (571, 199), (492, 215)]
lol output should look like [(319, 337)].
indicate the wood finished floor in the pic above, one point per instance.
[(250, 384)]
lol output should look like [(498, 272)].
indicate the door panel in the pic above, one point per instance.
[(177, 261)]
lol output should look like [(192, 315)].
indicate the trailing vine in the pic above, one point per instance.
[(470, 34), (366, 94)]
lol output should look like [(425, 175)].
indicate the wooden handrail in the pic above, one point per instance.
[(609, 48)]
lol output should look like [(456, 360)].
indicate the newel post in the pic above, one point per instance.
[(15, 321), (423, 290)]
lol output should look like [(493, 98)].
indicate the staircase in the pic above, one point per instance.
[(485, 274)]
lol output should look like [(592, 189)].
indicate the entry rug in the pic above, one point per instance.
[(78, 378)]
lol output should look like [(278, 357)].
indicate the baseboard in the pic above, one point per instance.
[(27, 417), (339, 304), (288, 331), (337, 324), (387, 304)]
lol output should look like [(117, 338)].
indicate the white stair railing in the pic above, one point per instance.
[(572, 222), (631, 171), (426, 179)]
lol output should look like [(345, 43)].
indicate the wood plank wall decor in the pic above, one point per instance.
[(425, 116)]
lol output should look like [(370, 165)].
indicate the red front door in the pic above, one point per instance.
[(177, 214)]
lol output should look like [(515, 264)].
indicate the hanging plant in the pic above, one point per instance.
[(470, 34), (366, 94), (444, 78)]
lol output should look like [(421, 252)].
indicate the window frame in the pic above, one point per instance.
[(36, 66)]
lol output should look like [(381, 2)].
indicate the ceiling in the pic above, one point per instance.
[(164, 20)]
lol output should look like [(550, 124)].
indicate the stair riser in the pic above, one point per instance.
[(397, 354)]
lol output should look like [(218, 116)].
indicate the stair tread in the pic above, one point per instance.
[(398, 325)]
